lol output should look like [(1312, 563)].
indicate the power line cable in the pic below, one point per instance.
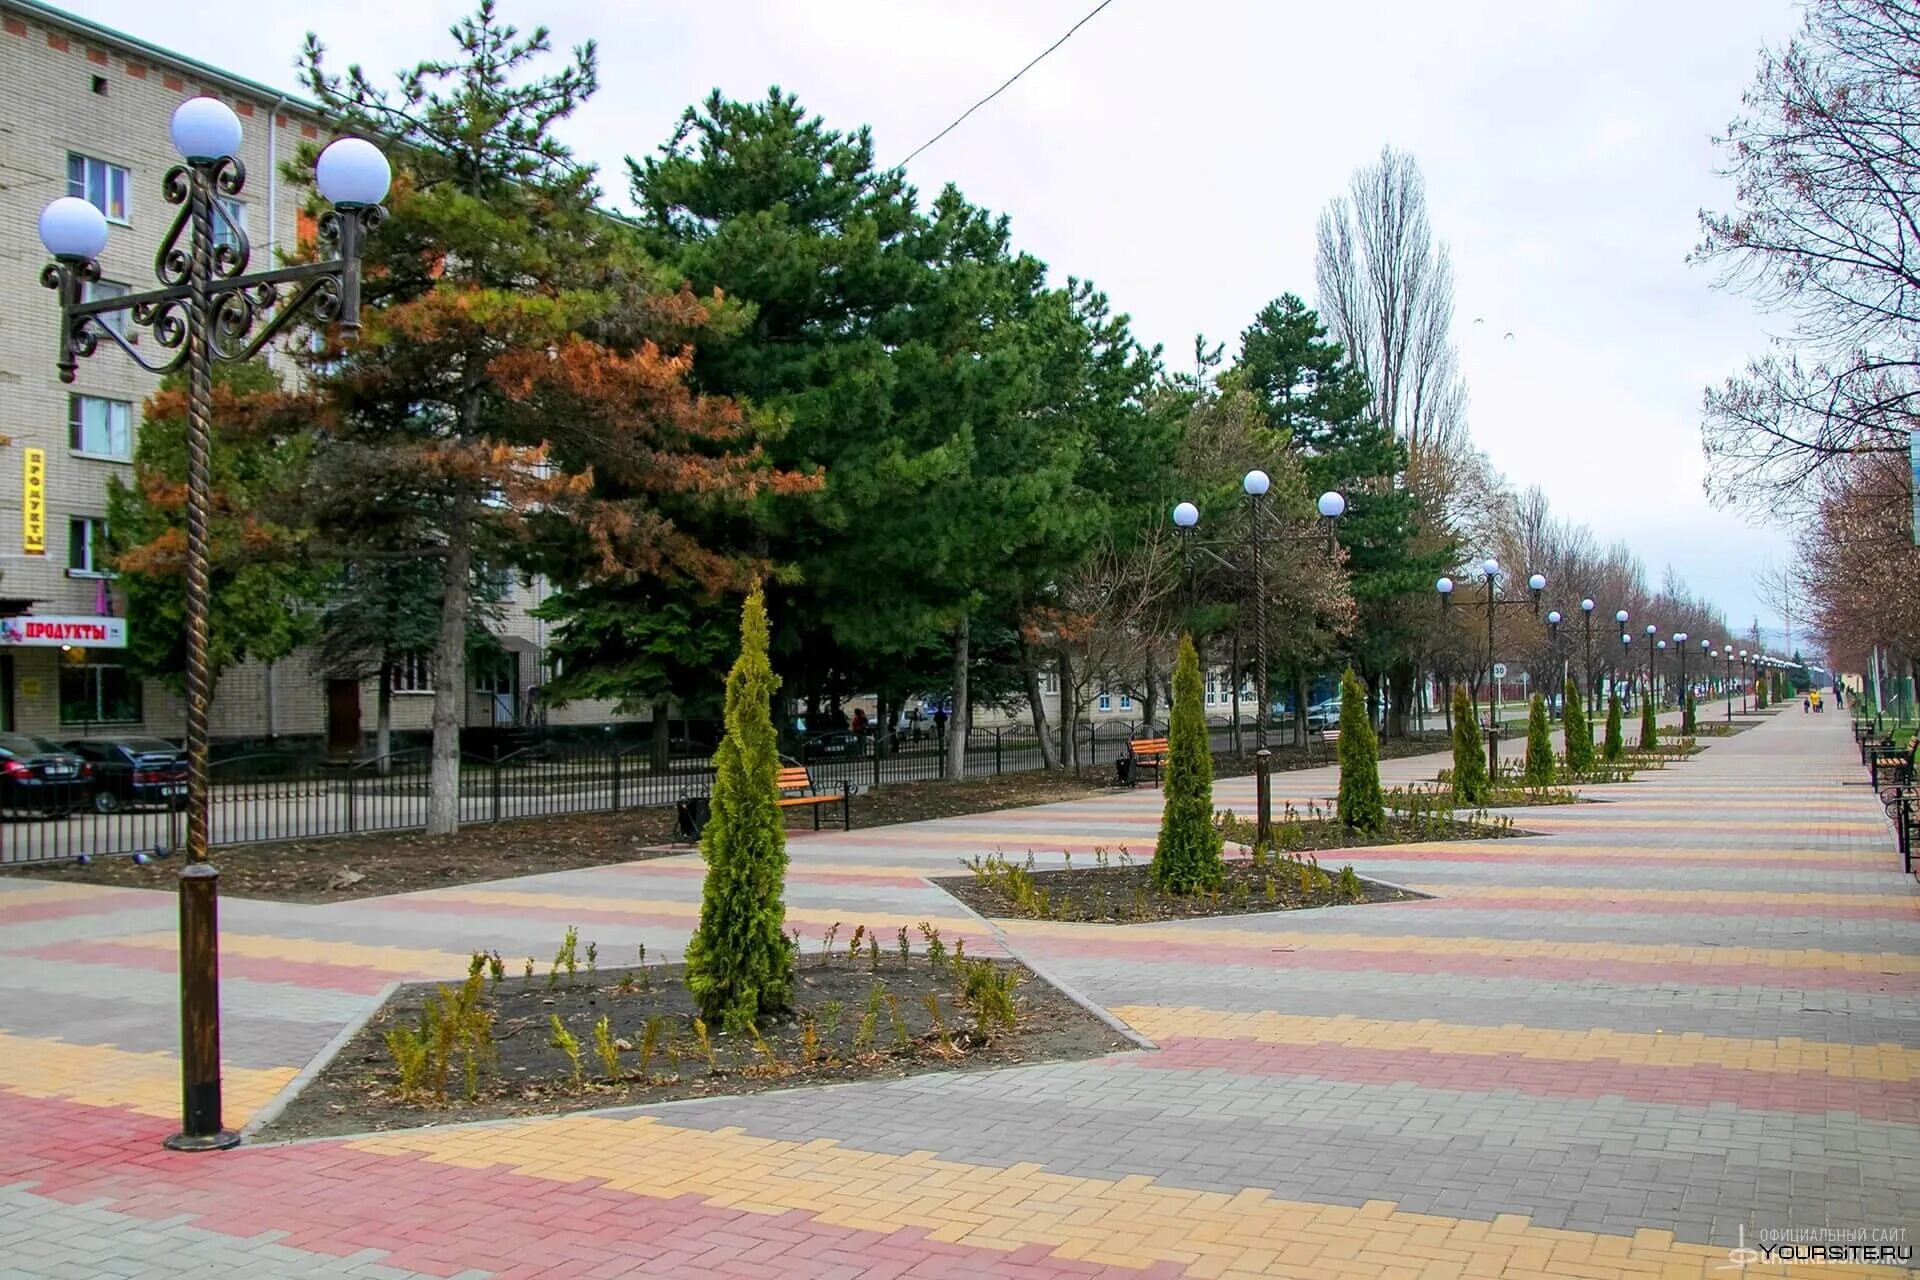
[(1009, 84)]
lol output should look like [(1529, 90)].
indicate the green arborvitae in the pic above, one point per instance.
[(1470, 782), (1760, 692), (1361, 807), (1187, 859), (1579, 732), (1616, 742), (1689, 724), (738, 963), (1539, 768), (1649, 730)]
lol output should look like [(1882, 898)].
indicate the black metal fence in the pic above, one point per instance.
[(266, 797)]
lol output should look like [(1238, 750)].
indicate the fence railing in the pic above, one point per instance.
[(266, 798)]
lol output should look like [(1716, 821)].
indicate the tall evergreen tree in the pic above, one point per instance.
[(1315, 395), (1649, 726), (1471, 785), (1187, 858), (738, 965), (1578, 731), (1616, 743), (1360, 805), (1539, 769), (1689, 717), (500, 302)]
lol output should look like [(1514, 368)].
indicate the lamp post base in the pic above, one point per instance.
[(1493, 755), (219, 1140), (1263, 793)]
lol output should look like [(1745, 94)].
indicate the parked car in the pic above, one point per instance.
[(1323, 715), (130, 772), (836, 742), (41, 776)]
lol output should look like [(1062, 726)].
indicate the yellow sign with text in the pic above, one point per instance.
[(33, 502)]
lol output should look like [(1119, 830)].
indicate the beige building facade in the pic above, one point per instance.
[(84, 111)]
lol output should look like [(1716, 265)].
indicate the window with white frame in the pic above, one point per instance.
[(1213, 688), (229, 221), (1126, 702), (102, 428), (1106, 700), (87, 547), (413, 673), (100, 183), (101, 290)]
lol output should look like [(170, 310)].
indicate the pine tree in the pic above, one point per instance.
[(1539, 766), (738, 964), (1688, 718), (1649, 730), (1616, 742), (1361, 807), (1471, 786), (1187, 858), (1579, 732)]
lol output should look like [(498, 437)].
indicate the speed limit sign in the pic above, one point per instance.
[(1499, 671)]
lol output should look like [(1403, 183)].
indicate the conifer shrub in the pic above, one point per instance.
[(1471, 786), (1538, 772), (1187, 858), (1615, 745), (1649, 730), (1579, 732), (1360, 805)]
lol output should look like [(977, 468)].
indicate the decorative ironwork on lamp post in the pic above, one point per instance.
[(1728, 650), (208, 308), (1186, 520), (1536, 584)]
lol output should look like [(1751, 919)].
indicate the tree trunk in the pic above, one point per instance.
[(1233, 692), (1069, 720), (961, 710), (449, 683), (1030, 669), (1299, 707), (1400, 684), (383, 720), (662, 736), (1150, 697)]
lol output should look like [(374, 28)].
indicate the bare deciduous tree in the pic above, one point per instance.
[(1386, 293), (1826, 158)]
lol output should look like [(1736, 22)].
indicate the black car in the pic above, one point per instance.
[(129, 772), (39, 776)]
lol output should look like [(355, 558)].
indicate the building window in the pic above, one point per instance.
[(1212, 690), (1106, 700), (98, 693), (1126, 702), (413, 673), (87, 547), (100, 290), (102, 185), (103, 428), (1050, 683), (229, 222)]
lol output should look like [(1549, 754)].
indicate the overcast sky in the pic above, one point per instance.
[(1179, 155)]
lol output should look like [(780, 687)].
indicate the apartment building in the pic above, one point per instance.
[(84, 111)]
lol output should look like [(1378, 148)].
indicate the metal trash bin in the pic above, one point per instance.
[(1123, 770), (690, 817)]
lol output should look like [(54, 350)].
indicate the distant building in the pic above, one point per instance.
[(84, 111)]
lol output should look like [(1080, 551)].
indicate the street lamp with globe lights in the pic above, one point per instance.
[(1680, 647), (1186, 522), (1586, 626), (1536, 584), (207, 308)]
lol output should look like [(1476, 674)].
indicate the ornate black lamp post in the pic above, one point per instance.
[(1186, 519), (1593, 686), (1537, 583), (209, 308), (1728, 651), (1680, 646), (1651, 644)]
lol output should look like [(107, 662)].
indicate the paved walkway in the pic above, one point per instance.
[(1683, 1018)]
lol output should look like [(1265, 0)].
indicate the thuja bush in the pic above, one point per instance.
[(739, 966), (1615, 745), (1360, 806), (1649, 730), (1187, 859), (1470, 782), (1579, 732), (1539, 769), (1688, 725)]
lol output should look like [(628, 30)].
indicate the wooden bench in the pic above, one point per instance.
[(1896, 762), (798, 788), (1330, 738), (1142, 753), (1902, 802)]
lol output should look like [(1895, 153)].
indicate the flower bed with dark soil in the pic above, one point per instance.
[(1120, 890), (865, 1018)]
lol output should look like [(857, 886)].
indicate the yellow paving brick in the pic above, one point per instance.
[(105, 1076)]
